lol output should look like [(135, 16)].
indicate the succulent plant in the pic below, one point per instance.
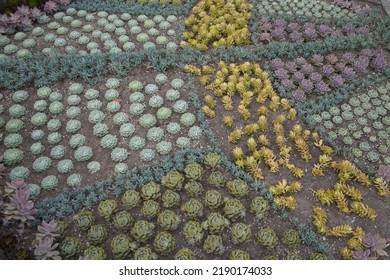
[(172, 95), (185, 254), (193, 209), (239, 254), (164, 243), (76, 140), (13, 156), (96, 116), (180, 107), (19, 173), (109, 141), (156, 101), (126, 130), (74, 180), (16, 111), (170, 199), (41, 164), (120, 118), (144, 253), (291, 237), (173, 180), (72, 126), (173, 128), (212, 159), (142, 231), (95, 253), (83, 220), (238, 188), (93, 167), (213, 199), (147, 155), (168, 220), (49, 182), (20, 96), (194, 171), (240, 233), (70, 247), (65, 166), (76, 88), (130, 199), (213, 245), (56, 108), (259, 207), (164, 147), (54, 138), (39, 119), (147, 121), (34, 190), (267, 237), (123, 220), (13, 140), (150, 190), (193, 232), (155, 134), (136, 109), (195, 133), (121, 246), (150, 209), (318, 256), (215, 223), (136, 143), (161, 78), (135, 86), (107, 208), (119, 154), (233, 209), (83, 153)]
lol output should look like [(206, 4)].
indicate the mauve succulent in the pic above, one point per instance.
[(300, 60), (23, 10), (291, 66), (298, 76), (293, 26), (360, 65), (348, 73), (281, 74), (281, 23), (327, 70), (331, 58), (315, 77), (324, 30), (367, 52), (348, 28), (295, 36), (317, 59), (277, 63), (265, 37), (306, 85), (14, 19), (361, 254), (299, 95), (336, 81), (35, 13), (337, 33), (309, 25), (310, 33), (379, 62), (278, 33), (348, 57), (287, 84), (266, 26), (322, 87), (339, 66), (384, 172), (307, 69), (50, 7), (362, 30)]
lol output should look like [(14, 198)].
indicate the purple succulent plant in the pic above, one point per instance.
[(375, 244), (266, 26), (24, 206), (281, 74), (384, 172), (23, 10), (331, 58), (327, 70), (339, 66), (322, 88), (298, 76), (281, 23), (349, 28), (309, 25), (336, 81), (277, 63), (348, 57), (278, 33), (46, 249), (348, 73), (337, 33), (287, 84), (63, 2), (361, 254), (35, 13), (315, 77), (379, 62), (14, 19), (265, 37), (324, 30), (367, 52), (307, 68), (300, 60), (310, 33), (291, 66), (306, 85), (299, 95), (360, 65), (293, 26), (362, 30), (48, 229), (317, 59), (295, 36), (50, 7)]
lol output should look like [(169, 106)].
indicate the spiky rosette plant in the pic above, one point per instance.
[(150, 190), (130, 199), (173, 180), (144, 253), (123, 220), (70, 247), (213, 245), (193, 232), (241, 233), (238, 188), (170, 199), (213, 199), (291, 238), (121, 246), (194, 171), (212, 160), (97, 234), (234, 209), (267, 237), (46, 249), (168, 220), (260, 207), (239, 254), (193, 209), (95, 253), (84, 220), (150, 209), (164, 243), (107, 208), (185, 254), (215, 223), (142, 231)]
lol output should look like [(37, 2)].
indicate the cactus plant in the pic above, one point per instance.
[(168, 220), (107, 208), (267, 237), (123, 220), (193, 209), (142, 231), (130, 199), (213, 245), (121, 246), (193, 232)]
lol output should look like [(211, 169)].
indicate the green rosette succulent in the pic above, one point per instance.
[(193, 232), (193, 188), (213, 199), (213, 245), (173, 180), (164, 243), (259, 207), (150, 209), (70, 247), (233, 209), (194, 171), (121, 246), (13, 156), (144, 253), (318, 256), (168, 220), (193, 209), (291, 238), (107, 208), (267, 237), (215, 223), (130, 199), (95, 253), (97, 234), (84, 220), (185, 254), (150, 190), (216, 179), (142, 231), (292, 256), (238, 188), (123, 220), (239, 254), (241, 233), (170, 199)]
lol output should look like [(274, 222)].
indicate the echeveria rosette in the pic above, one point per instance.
[(336, 81), (376, 244), (306, 85)]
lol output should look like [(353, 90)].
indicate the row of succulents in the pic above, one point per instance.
[(281, 30), (194, 207), (161, 2), (147, 121), (321, 74), (79, 31), (362, 123), (309, 8)]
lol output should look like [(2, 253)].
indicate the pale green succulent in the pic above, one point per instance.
[(56, 107), (72, 126), (161, 78), (91, 94), (70, 247), (193, 188), (177, 83), (213, 245), (212, 159), (185, 254), (73, 100), (119, 154), (267, 237), (34, 190), (195, 133), (17, 111), (260, 207), (109, 141), (95, 253), (39, 119), (14, 125), (164, 147), (193, 232), (93, 167), (239, 254), (96, 116), (74, 180), (20, 96), (112, 83), (142, 231), (83, 153), (318, 256), (173, 128), (233, 209), (127, 129), (136, 143), (213, 199), (76, 88), (150, 209), (130, 199), (120, 118), (49, 182), (292, 256), (164, 113), (107, 208), (216, 179), (83, 220), (150, 190), (172, 95), (144, 253), (180, 106), (147, 155), (123, 220), (168, 220), (155, 134), (53, 125), (238, 188), (291, 238), (135, 86), (170, 199), (187, 119), (65, 166), (19, 173), (76, 140), (151, 89), (147, 121), (13, 140), (54, 138), (194, 171), (215, 223), (121, 246), (136, 97), (41, 164), (136, 109), (241, 233), (193, 209), (164, 243), (156, 101), (173, 180)]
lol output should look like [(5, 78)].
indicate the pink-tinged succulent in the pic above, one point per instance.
[(295, 36), (280, 23), (46, 249), (336, 81), (375, 244), (298, 76), (50, 7), (309, 25), (266, 26), (14, 19), (339, 66), (363, 10), (23, 10), (35, 13), (293, 26), (324, 30), (24, 207), (281, 74), (362, 30), (322, 87), (348, 28), (348, 73), (379, 62), (300, 60), (361, 254), (348, 57), (287, 84), (384, 172), (343, 3), (279, 33), (291, 66), (307, 69), (265, 37), (299, 95), (360, 65), (306, 85), (331, 58), (337, 33), (25, 21), (327, 70), (315, 77), (367, 52), (310, 33), (48, 230), (317, 59), (277, 63), (63, 2)]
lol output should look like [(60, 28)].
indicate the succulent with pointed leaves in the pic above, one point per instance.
[(97, 234), (291, 238), (121, 246), (213, 199), (239, 254), (51, 229), (194, 171), (260, 207), (150, 190), (185, 254), (130, 199), (215, 223), (193, 209), (318, 256), (216, 179), (213, 245), (168, 220), (376, 244), (193, 232), (212, 160), (173, 180), (234, 209), (150, 209), (95, 253), (193, 188), (170, 199), (46, 249), (142, 231), (123, 220), (107, 208), (238, 188), (70, 247), (84, 220), (267, 237), (241, 233), (164, 243), (144, 253)]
